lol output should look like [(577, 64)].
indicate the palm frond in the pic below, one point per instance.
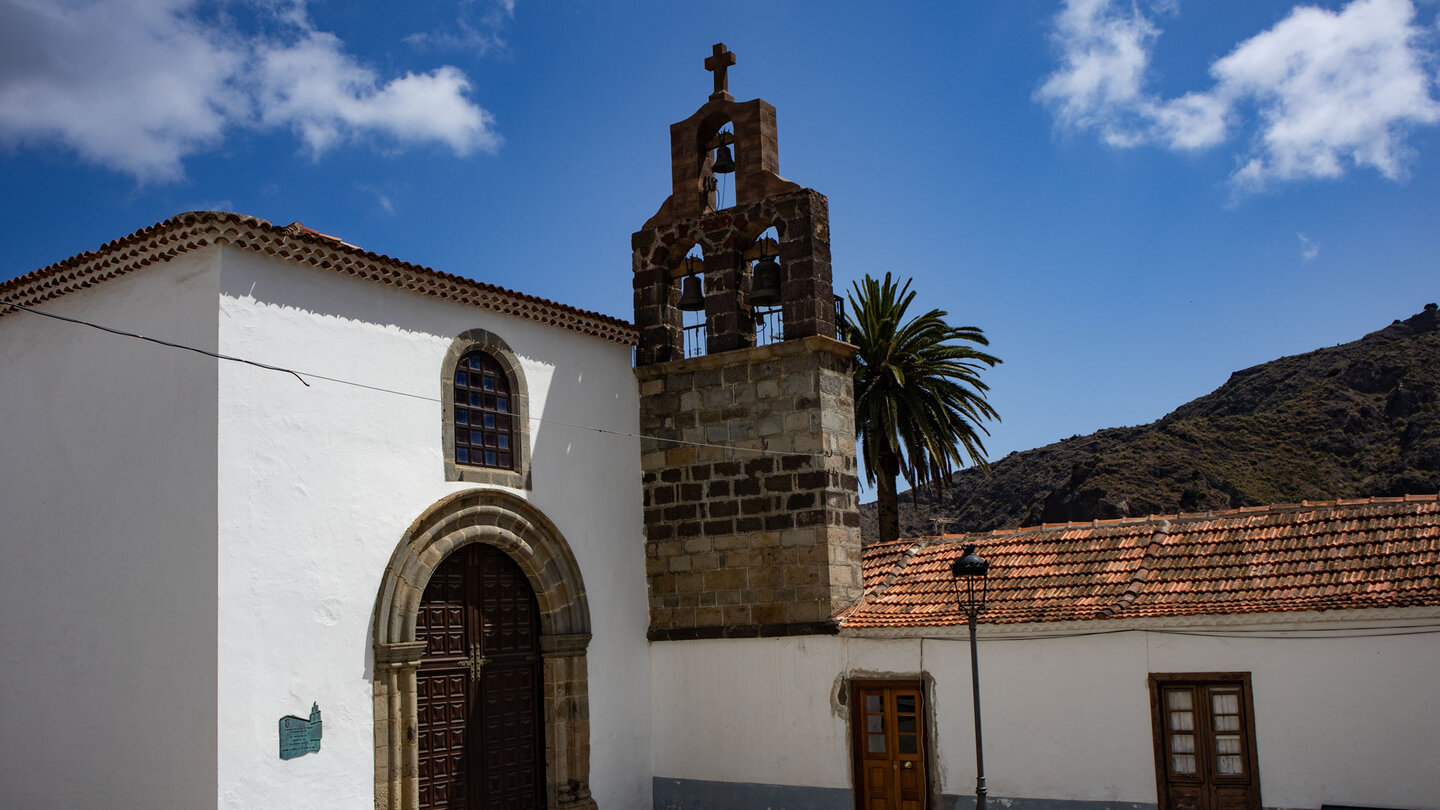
[(918, 389)]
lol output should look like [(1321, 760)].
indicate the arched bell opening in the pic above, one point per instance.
[(764, 284), (715, 145), (690, 273)]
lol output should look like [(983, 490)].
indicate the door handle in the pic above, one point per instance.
[(475, 663), (909, 764)]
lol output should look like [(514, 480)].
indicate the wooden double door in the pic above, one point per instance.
[(888, 744), (479, 699), (1204, 741)]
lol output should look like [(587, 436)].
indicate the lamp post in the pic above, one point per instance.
[(973, 569)]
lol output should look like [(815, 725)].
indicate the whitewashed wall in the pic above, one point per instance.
[(319, 483), (1338, 720), (107, 547)]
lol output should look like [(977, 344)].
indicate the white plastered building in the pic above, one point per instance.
[(195, 547)]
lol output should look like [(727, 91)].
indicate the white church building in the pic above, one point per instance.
[(288, 523), (225, 544)]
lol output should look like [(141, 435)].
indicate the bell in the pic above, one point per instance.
[(692, 294), (724, 161), (765, 289)]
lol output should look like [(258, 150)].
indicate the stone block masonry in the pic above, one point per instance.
[(750, 490)]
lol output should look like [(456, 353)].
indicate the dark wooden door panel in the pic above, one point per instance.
[(443, 703), (1187, 797), (1232, 798), (479, 686), (510, 729)]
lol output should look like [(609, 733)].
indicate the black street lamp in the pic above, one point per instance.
[(973, 569)]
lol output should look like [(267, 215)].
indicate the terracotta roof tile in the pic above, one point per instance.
[(198, 229), (1357, 553)]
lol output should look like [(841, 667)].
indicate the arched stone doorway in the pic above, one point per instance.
[(510, 524)]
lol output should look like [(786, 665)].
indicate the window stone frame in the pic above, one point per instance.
[(482, 340)]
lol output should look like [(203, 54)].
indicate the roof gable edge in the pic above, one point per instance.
[(196, 229)]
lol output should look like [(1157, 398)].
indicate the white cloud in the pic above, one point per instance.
[(478, 26), (1327, 90), (1333, 89), (1309, 248), (139, 85), (383, 198), (131, 86), (1105, 53), (327, 97)]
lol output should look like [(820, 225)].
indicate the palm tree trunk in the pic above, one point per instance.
[(887, 499)]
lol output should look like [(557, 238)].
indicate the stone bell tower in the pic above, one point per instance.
[(751, 515)]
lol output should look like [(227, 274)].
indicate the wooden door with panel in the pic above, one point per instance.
[(888, 745), (481, 733), (1204, 741)]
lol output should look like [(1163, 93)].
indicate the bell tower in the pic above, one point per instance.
[(749, 477)]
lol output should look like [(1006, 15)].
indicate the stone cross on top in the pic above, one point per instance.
[(721, 59)]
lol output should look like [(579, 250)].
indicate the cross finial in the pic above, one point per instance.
[(717, 63)]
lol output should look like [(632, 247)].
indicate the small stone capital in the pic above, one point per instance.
[(564, 645), (399, 653)]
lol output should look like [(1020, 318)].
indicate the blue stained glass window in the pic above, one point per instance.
[(482, 399)]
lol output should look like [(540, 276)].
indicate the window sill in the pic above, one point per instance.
[(471, 474)]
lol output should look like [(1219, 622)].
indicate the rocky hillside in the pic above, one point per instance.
[(1355, 420)]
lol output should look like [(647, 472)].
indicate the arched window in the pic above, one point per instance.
[(486, 415), (484, 429)]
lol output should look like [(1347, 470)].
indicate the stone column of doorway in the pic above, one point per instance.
[(396, 764), (567, 727)]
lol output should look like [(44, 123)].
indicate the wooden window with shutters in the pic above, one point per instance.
[(1204, 741), (888, 729)]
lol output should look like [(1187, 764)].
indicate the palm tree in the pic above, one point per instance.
[(919, 399)]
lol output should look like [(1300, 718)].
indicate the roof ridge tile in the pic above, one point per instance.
[(187, 231), (1193, 517)]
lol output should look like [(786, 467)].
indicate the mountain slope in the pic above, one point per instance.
[(1354, 420)]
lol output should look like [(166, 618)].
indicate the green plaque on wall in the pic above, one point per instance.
[(299, 736)]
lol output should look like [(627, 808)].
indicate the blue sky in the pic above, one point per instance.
[(1131, 199)]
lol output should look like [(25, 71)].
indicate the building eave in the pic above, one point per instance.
[(1320, 622), (200, 229)]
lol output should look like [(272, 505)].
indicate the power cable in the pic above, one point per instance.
[(139, 336), (380, 389)]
